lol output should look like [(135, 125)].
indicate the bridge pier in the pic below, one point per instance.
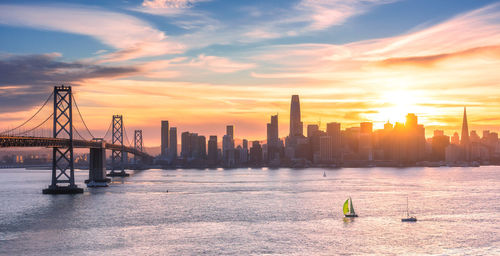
[(97, 168)]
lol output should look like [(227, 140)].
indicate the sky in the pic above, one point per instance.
[(204, 64)]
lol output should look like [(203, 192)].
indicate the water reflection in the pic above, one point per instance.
[(244, 212)]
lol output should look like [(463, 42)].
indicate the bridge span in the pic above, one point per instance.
[(62, 142)]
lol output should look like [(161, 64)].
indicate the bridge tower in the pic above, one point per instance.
[(117, 157), (137, 143), (62, 157)]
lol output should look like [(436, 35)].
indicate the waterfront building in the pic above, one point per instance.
[(172, 149), (273, 150), (164, 138), (333, 130), (212, 151), (296, 124), (325, 149), (256, 153)]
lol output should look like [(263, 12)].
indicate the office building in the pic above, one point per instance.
[(164, 138), (172, 149)]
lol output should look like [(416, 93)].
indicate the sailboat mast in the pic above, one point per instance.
[(407, 210), (351, 210)]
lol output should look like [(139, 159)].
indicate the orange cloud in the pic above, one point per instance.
[(485, 52)]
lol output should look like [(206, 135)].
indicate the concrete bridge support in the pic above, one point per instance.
[(97, 168)]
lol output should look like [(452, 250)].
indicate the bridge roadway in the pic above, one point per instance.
[(15, 141)]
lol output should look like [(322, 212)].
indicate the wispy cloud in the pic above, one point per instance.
[(219, 64), (322, 14), (429, 61), (295, 19), (133, 38)]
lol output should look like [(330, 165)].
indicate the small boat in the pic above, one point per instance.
[(324, 174), (408, 217), (349, 209)]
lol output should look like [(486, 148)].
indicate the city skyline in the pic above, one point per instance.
[(205, 63)]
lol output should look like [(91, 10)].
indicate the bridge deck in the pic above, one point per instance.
[(15, 141)]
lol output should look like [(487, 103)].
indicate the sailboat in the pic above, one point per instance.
[(408, 217), (349, 209), (324, 174)]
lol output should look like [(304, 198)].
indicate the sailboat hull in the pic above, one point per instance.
[(351, 215), (410, 219)]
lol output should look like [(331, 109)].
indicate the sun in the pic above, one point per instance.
[(396, 105)]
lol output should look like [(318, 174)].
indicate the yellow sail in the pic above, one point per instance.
[(346, 207)]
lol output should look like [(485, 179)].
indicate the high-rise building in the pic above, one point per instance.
[(411, 121), (312, 129), (325, 149), (464, 140), (245, 144), (272, 129), (273, 149), (296, 126), (256, 153), (202, 147), (164, 138), (228, 147), (333, 130), (230, 130), (365, 141), (212, 151), (185, 145), (172, 149), (193, 146)]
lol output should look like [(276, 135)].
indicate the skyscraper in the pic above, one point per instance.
[(185, 145), (464, 140), (272, 129), (172, 149), (333, 130), (296, 126), (202, 147), (212, 150), (230, 130), (272, 138), (164, 138), (228, 146)]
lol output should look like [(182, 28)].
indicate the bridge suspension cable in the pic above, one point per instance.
[(81, 117), (107, 132), (31, 118), (34, 128), (126, 137), (78, 133)]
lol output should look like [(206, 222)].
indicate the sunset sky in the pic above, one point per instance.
[(204, 64)]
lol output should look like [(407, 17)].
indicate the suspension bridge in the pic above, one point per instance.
[(57, 129)]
